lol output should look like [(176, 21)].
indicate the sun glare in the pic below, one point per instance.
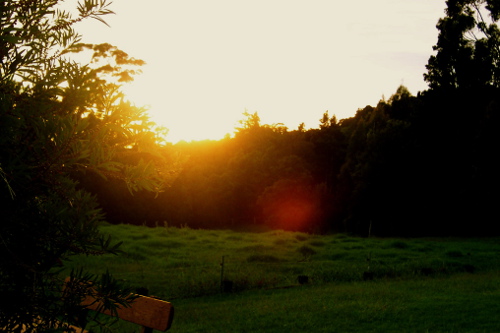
[(182, 125), (213, 63)]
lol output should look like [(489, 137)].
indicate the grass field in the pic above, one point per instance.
[(354, 284)]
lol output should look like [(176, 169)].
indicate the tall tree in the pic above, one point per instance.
[(464, 77), (58, 119), (468, 46)]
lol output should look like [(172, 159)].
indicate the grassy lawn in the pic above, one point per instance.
[(355, 284), (463, 303)]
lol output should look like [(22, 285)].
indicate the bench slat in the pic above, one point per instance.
[(144, 311)]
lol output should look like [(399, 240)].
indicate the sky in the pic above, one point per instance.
[(289, 60)]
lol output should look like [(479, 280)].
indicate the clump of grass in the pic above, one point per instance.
[(307, 252), (135, 256), (353, 247), (301, 237), (341, 236), (337, 273), (163, 233), (399, 245), (263, 258), (280, 242), (139, 236), (256, 248), (338, 256), (350, 240), (423, 249), (454, 254), (174, 245), (234, 238), (317, 243)]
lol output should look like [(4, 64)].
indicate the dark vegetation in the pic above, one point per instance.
[(409, 166), (72, 148), (60, 120)]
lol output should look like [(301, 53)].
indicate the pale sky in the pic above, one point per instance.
[(289, 60)]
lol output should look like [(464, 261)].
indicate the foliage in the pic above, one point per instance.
[(402, 167), (409, 166), (468, 47), (60, 120)]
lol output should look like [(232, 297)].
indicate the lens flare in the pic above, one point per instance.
[(294, 214), (290, 205)]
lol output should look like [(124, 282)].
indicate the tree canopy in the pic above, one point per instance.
[(60, 120), (410, 165), (468, 46)]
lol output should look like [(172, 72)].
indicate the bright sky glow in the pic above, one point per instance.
[(289, 60)]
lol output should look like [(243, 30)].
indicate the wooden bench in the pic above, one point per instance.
[(148, 312)]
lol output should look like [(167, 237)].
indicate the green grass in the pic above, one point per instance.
[(419, 285), (465, 303)]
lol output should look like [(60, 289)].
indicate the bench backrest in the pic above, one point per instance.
[(144, 311), (148, 312)]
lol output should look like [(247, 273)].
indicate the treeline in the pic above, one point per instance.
[(409, 166)]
